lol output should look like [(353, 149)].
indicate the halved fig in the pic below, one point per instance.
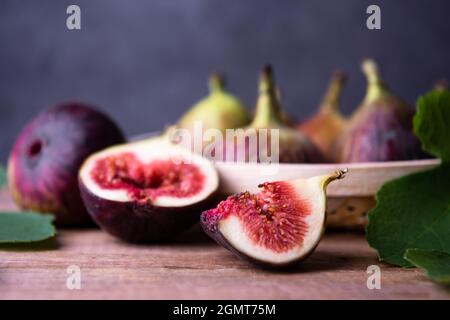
[(147, 191), (277, 227)]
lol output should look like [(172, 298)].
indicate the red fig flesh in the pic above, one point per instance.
[(43, 165), (147, 191), (278, 227)]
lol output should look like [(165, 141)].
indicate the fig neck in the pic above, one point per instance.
[(331, 100), (324, 180), (267, 107), (216, 83), (441, 85), (376, 87)]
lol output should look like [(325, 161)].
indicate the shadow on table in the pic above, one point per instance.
[(331, 260), (194, 236), (45, 245)]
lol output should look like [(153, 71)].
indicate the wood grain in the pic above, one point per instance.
[(195, 268)]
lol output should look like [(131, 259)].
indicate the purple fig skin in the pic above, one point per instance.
[(136, 222), (44, 162), (293, 148), (381, 127), (383, 133)]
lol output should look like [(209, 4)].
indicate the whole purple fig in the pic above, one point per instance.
[(44, 162), (381, 128)]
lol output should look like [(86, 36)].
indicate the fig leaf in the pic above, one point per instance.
[(2, 176), (435, 263), (413, 212), (432, 123), (22, 227)]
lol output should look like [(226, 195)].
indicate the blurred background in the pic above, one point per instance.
[(146, 62)]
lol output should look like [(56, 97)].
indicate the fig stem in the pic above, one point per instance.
[(266, 80), (338, 174), (216, 82), (268, 109), (376, 87), (441, 85), (278, 94), (331, 100)]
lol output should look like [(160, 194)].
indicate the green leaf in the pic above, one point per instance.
[(411, 212), (432, 123), (435, 263), (20, 227), (414, 211), (2, 176)]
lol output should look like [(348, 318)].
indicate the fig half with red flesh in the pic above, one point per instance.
[(277, 227), (147, 191)]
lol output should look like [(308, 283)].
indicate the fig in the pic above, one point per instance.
[(277, 227), (441, 85), (147, 191), (291, 145), (381, 128), (219, 110), (45, 159), (286, 118), (326, 126)]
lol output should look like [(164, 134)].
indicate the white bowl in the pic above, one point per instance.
[(348, 199)]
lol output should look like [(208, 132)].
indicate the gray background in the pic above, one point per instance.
[(145, 62)]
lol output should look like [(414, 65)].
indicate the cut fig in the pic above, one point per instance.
[(147, 191), (277, 227)]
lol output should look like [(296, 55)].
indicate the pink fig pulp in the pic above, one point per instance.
[(277, 227)]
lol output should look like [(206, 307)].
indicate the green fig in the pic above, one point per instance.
[(219, 110)]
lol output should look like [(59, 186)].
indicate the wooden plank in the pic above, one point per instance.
[(196, 268)]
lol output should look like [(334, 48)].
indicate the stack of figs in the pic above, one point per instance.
[(73, 161), (380, 129)]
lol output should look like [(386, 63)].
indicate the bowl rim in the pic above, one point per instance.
[(332, 165), (349, 165)]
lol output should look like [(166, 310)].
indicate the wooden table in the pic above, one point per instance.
[(196, 268)]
